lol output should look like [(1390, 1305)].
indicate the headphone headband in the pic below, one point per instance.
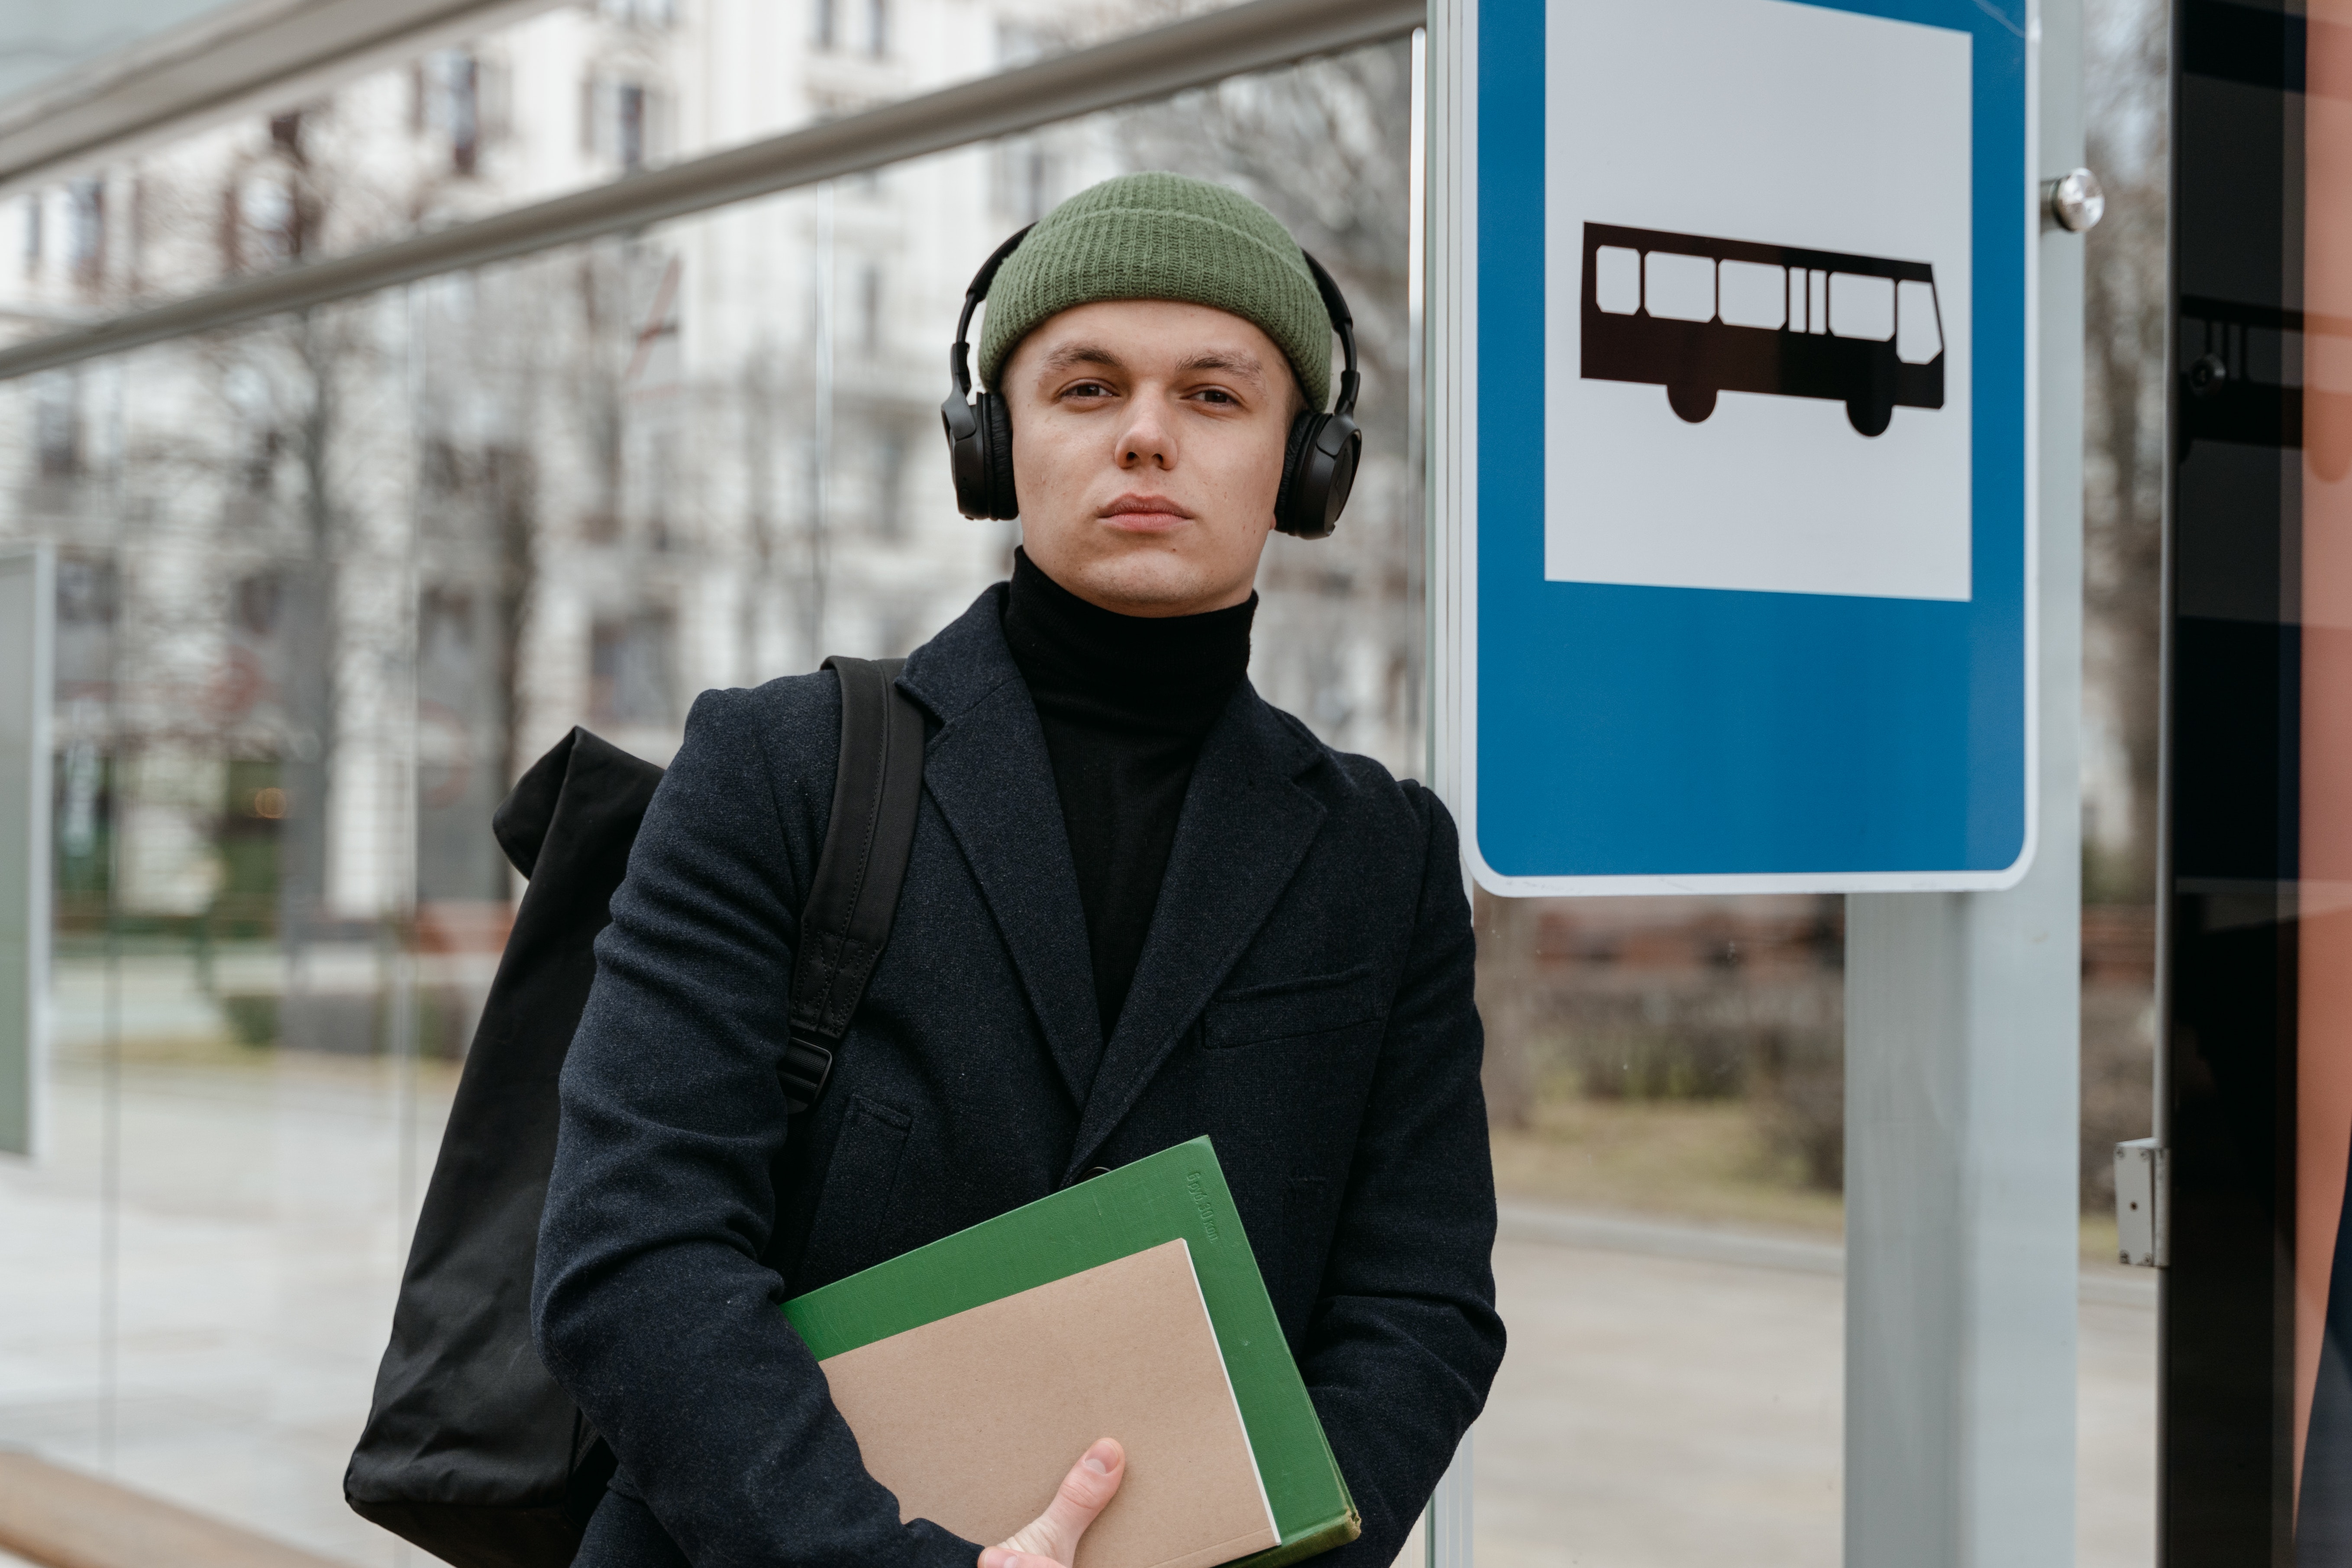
[(1335, 304), (959, 357)]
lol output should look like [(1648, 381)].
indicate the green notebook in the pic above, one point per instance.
[(1176, 1193)]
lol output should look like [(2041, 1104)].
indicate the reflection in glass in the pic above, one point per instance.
[(2260, 1090), (328, 585)]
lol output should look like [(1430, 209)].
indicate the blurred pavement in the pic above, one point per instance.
[(1658, 1411), (1670, 1398)]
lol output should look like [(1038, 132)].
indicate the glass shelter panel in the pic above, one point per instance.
[(327, 585)]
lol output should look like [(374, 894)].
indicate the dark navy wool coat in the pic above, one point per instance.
[(1304, 998)]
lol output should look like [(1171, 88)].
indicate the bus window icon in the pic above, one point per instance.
[(1700, 316)]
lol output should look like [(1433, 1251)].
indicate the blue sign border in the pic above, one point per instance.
[(1720, 739)]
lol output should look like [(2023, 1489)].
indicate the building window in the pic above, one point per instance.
[(232, 231), (265, 209), (461, 96), (85, 231), (629, 670), (259, 462), (825, 25), (890, 489), (622, 120), (33, 233), (135, 235), (56, 426), (629, 123), (650, 13), (870, 307), (1019, 44), (877, 27), (1025, 175), (89, 602), (464, 79), (260, 604)]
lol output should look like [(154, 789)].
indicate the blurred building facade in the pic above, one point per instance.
[(327, 585)]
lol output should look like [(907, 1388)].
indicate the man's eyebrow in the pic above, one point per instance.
[(1070, 355), (1239, 361)]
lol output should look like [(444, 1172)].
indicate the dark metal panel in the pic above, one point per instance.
[(2232, 725)]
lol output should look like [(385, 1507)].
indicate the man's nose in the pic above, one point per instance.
[(1145, 443)]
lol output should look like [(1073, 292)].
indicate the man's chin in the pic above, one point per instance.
[(1145, 583)]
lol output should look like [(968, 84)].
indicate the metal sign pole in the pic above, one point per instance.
[(1962, 1098)]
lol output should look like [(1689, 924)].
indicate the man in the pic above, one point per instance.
[(1142, 906)]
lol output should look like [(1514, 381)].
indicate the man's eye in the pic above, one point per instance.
[(1217, 394), (1088, 389)]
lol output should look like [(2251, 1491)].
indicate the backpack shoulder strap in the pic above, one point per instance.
[(876, 789)]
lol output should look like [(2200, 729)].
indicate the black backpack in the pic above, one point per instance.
[(471, 1450)]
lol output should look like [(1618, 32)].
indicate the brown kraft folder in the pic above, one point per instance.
[(1179, 1193), (973, 1419)]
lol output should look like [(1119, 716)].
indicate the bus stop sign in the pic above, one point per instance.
[(1736, 585)]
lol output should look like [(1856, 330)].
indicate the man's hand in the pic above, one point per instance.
[(1051, 1539)]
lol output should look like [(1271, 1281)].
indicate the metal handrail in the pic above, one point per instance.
[(233, 56), (1256, 35)]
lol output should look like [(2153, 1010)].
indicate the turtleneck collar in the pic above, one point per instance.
[(1158, 672)]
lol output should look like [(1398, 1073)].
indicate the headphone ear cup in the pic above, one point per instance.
[(967, 456), (1316, 474), (996, 428), (1301, 429)]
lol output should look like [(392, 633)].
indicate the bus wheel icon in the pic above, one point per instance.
[(1693, 402), (1870, 415)]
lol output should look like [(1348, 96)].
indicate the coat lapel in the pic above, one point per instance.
[(1243, 831), (987, 770)]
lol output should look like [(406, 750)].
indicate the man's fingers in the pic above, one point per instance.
[(1054, 1536)]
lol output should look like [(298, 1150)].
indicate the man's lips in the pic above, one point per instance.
[(1144, 514)]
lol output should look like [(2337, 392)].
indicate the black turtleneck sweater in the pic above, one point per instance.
[(1126, 702)]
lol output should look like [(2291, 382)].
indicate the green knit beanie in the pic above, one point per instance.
[(1163, 236)]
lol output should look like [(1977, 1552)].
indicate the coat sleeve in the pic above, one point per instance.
[(1404, 1339), (651, 1304)]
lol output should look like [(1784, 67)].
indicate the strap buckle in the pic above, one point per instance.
[(806, 1069)]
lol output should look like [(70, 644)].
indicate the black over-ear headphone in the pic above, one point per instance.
[(1317, 471)]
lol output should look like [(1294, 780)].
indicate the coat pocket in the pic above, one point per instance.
[(1291, 1010), (855, 1208)]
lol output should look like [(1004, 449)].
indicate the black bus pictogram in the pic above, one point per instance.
[(1700, 316)]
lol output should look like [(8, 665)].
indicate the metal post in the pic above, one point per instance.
[(1962, 1094), (26, 598), (1445, 1528), (1445, 1523)]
